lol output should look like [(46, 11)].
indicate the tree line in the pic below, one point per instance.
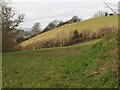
[(36, 29)]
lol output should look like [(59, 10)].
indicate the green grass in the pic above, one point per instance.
[(64, 67), (64, 32)]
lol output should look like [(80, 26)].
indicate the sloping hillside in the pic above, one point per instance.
[(92, 64), (66, 31)]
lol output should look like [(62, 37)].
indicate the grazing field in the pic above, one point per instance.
[(91, 64), (65, 32)]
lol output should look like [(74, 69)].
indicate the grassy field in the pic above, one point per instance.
[(65, 32), (88, 65)]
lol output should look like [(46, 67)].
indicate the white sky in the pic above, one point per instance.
[(45, 11), (63, 0)]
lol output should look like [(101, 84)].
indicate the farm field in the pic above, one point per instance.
[(91, 64)]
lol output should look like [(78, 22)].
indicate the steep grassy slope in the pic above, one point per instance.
[(66, 31), (88, 65)]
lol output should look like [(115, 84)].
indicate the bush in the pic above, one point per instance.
[(76, 34), (86, 34), (92, 35), (28, 47), (20, 39), (18, 48), (104, 31), (8, 42)]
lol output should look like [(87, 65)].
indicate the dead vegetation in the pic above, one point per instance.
[(73, 37)]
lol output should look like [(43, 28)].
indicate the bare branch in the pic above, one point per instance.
[(109, 6), (8, 17)]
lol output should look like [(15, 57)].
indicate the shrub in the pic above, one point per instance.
[(18, 48), (92, 35), (104, 31), (38, 45), (76, 34), (56, 43), (86, 34), (28, 47), (8, 42), (20, 39)]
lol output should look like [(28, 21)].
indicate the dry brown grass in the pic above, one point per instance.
[(105, 30), (65, 32), (63, 41), (61, 36)]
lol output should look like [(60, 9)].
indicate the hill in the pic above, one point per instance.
[(92, 64), (65, 32)]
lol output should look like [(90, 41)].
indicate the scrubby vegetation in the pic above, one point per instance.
[(74, 37)]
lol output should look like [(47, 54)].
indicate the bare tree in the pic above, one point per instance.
[(101, 13), (52, 25), (36, 28), (109, 6), (10, 22), (55, 22)]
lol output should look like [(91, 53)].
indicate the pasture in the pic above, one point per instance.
[(91, 64)]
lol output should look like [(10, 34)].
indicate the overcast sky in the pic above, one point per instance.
[(45, 11)]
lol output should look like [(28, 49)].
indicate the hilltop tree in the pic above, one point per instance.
[(101, 13), (73, 19), (61, 23), (52, 25), (10, 22), (58, 23), (36, 28), (55, 22), (49, 27)]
